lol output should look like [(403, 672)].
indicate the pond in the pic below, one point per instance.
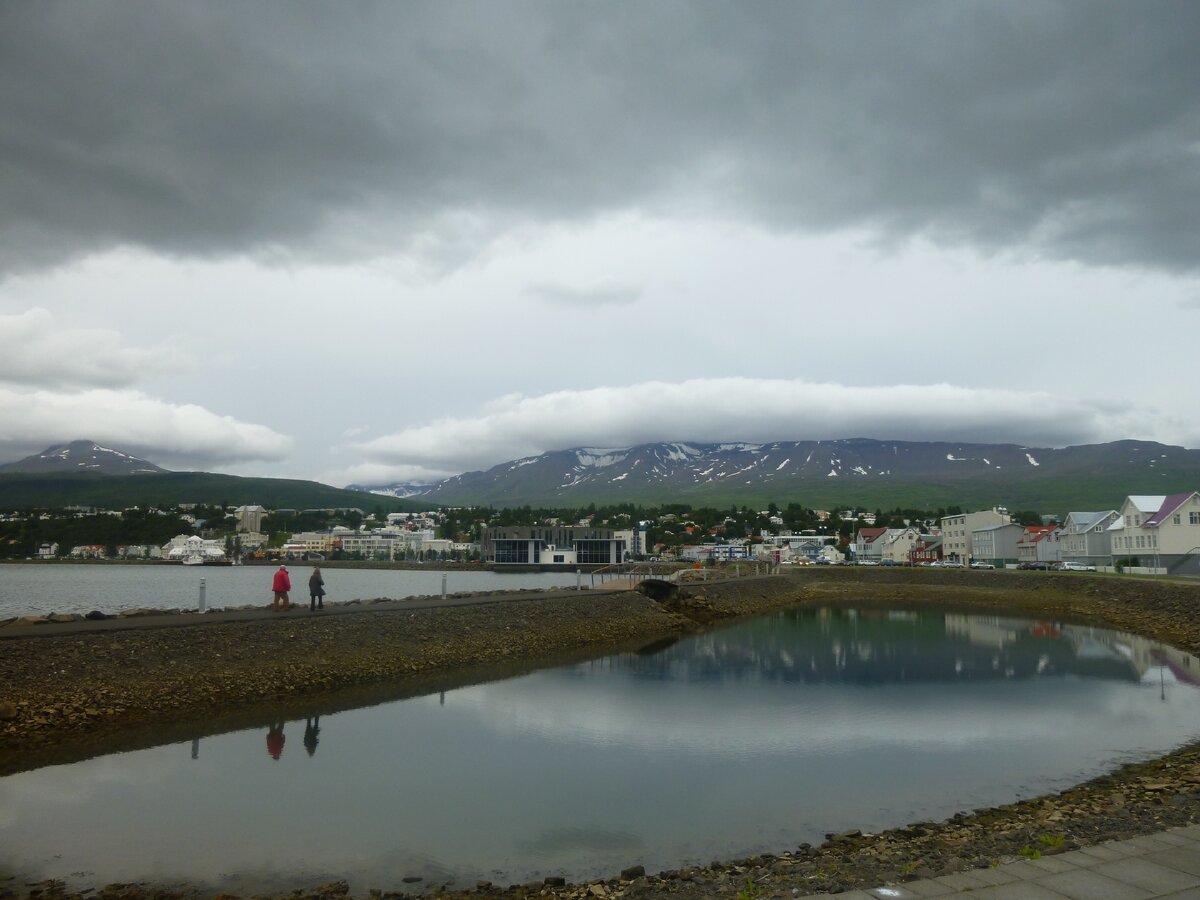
[(748, 739)]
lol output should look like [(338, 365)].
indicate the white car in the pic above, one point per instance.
[(982, 565), (1077, 567)]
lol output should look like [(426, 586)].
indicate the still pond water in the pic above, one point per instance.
[(748, 739), (30, 588)]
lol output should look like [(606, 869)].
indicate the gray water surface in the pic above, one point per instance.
[(748, 739)]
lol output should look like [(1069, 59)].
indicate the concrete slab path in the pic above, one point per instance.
[(1164, 865)]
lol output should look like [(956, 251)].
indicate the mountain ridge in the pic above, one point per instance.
[(82, 456), (921, 474)]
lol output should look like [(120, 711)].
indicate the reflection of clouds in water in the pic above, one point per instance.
[(782, 718), (69, 785)]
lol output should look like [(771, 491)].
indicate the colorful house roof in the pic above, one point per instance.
[(1170, 504)]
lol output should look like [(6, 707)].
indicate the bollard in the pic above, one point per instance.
[(443, 586), (201, 595), (579, 579)]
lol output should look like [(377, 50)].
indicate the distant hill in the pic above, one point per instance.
[(82, 456), (82, 473), (871, 473), (24, 491)]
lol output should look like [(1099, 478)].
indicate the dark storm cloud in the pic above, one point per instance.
[(1067, 130)]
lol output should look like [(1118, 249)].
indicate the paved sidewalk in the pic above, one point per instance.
[(1165, 865)]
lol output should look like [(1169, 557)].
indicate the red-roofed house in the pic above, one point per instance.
[(868, 544), (1039, 544)]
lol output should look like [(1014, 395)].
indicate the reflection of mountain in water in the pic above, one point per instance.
[(882, 647)]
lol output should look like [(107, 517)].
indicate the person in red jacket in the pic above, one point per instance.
[(281, 585)]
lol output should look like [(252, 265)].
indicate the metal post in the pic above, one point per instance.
[(579, 579), (443, 585), (202, 603)]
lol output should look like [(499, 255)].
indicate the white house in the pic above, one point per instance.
[(898, 545), (1159, 532)]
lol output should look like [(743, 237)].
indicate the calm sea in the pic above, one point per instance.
[(30, 588)]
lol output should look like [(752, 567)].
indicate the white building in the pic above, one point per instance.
[(898, 545), (1160, 533), (957, 530), (192, 547), (250, 518)]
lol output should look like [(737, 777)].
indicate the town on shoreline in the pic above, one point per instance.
[(1146, 534)]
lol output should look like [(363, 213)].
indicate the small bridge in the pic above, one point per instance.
[(630, 574), (660, 581)]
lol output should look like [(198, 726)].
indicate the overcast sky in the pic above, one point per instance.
[(375, 242)]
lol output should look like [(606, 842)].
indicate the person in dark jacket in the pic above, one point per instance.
[(281, 586), (316, 590)]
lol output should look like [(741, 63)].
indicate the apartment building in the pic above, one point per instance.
[(957, 530)]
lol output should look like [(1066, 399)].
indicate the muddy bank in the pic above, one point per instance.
[(69, 695)]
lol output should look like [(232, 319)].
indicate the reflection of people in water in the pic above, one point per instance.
[(312, 727), (275, 740)]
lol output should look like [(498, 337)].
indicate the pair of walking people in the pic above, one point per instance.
[(282, 586)]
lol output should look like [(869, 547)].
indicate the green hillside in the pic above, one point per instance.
[(169, 489)]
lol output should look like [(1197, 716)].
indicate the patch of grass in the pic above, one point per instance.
[(1052, 840), (1030, 852), (750, 891)]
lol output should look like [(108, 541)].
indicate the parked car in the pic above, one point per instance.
[(979, 564), (1077, 567), (1038, 566)]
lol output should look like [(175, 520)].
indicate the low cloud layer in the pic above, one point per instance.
[(755, 410), (173, 435), (1063, 130), (60, 383), (35, 349)]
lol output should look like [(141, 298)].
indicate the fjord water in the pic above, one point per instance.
[(747, 739), (37, 589)]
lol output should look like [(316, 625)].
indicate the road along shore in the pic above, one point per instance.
[(92, 688)]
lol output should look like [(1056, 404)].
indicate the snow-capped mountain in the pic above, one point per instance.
[(856, 467), (82, 456)]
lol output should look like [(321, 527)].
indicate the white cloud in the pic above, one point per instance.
[(35, 349), (745, 409), (173, 435)]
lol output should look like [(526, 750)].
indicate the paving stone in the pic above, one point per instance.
[(1146, 873), (995, 875), (1177, 839), (928, 888), (960, 881), (894, 892), (1146, 842), (1189, 894), (1085, 884), (1104, 853), (1052, 865), (1017, 890), (1181, 858)]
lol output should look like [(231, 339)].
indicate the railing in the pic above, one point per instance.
[(677, 573), (635, 572)]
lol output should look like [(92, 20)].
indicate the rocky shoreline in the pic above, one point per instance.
[(70, 696)]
